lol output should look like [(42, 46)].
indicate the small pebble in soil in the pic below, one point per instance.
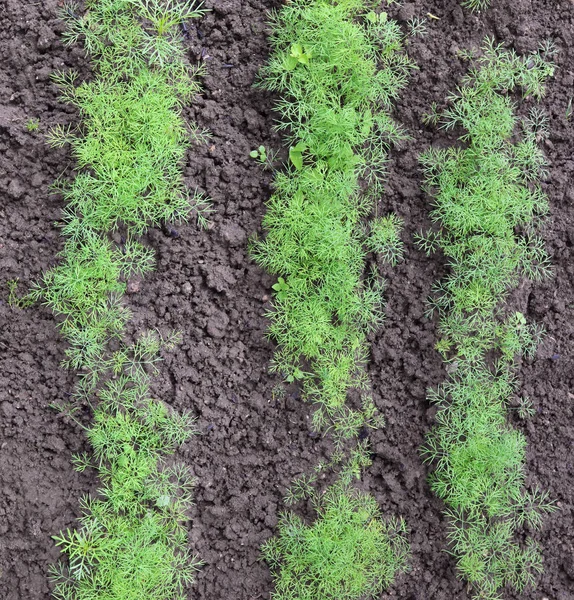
[(133, 287)]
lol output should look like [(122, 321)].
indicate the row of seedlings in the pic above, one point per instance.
[(131, 541), (488, 208), (337, 68)]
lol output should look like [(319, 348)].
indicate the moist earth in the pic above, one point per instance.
[(253, 441)]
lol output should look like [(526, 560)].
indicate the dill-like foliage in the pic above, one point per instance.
[(488, 207), (337, 70)]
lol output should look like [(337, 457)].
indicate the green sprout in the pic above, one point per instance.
[(260, 154), (264, 156), (165, 15), (417, 27), (432, 117), (298, 55), (384, 238), (296, 155), (32, 125), (476, 5), (15, 301)]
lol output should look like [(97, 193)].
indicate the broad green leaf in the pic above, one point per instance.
[(296, 158)]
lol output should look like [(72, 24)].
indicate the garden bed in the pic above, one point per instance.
[(251, 444)]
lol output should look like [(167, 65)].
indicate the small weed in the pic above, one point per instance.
[(417, 27), (278, 393), (548, 49), (264, 156), (32, 125), (260, 154), (296, 155), (13, 299), (377, 18), (298, 55)]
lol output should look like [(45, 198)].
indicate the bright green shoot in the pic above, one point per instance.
[(384, 238), (165, 15), (32, 125), (476, 5)]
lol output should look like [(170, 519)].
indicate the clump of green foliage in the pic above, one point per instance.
[(86, 288), (489, 206), (133, 138), (348, 553), (129, 149), (338, 69), (131, 543), (384, 238), (123, 37)]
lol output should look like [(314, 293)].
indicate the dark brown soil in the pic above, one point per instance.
[(251, 444)]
